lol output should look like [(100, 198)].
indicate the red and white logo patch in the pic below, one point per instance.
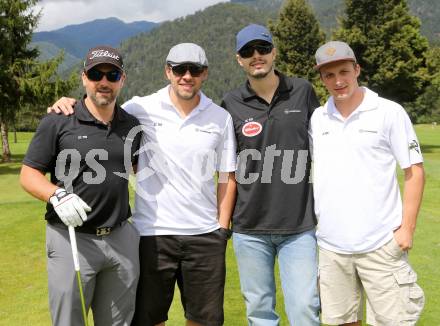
[(251, 129)]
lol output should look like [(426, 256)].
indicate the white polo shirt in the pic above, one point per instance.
[(357, 197), (175, 185)]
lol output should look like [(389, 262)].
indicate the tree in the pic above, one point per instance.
[(427, 106), (23, 80), (17, 22), (297, 36), (389, 47), (40, 85)]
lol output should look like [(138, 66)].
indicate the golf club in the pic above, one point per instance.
[(78, 273)]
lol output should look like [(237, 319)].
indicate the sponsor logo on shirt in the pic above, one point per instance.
[(414, 145), (251, 129), (287, 111), (205, 131), (82, 137), (369, 131)]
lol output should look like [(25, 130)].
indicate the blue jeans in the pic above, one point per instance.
[(297, 259)]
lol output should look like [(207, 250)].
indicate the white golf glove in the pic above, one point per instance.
[(70, 208)]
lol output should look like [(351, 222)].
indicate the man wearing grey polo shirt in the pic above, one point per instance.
[(183, 218), (364, 230)]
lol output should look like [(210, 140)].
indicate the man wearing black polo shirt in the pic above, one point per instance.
[(84, 154), (273, 215)]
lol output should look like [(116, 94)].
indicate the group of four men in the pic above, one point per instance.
[(181, 144)]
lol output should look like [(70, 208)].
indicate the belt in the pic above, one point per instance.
[(101, 231)]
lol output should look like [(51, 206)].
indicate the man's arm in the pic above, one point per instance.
[(226, 194), (35, 182), (412, 198), (63, 105)]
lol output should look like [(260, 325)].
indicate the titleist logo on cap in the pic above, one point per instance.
[(103, 53)]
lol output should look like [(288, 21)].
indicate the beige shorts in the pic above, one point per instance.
[(393, 297)]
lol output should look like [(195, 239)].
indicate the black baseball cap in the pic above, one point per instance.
[(103, 54)]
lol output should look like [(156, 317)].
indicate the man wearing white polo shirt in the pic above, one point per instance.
[(183, 218), (364, 232)]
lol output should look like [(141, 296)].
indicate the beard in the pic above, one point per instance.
[(186, 95), (100, 100), (260, 74)]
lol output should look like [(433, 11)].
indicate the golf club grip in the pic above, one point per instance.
[(74, 247)]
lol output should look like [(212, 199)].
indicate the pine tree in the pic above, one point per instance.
[(17, 22), (24, 82), (297, 36), (388, 45), (40, 85), (427, 106)]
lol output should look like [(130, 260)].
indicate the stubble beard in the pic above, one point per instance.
[(260, 74), (185, 95), (100, 101)]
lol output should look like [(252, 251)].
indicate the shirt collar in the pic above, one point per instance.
[(82, 112), (369, 102), (285, 85)]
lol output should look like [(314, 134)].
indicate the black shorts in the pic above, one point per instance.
[(196, 262)]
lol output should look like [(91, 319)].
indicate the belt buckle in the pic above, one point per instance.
[(103, 231)]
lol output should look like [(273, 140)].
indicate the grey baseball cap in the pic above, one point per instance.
[(333, 51), (187, 53)]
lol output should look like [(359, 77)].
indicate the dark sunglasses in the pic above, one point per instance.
[(180, 70), (248, 50), (96, 75)]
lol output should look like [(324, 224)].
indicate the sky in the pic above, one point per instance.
[(59, 13)]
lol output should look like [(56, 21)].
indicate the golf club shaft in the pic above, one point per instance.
[(78, 273)]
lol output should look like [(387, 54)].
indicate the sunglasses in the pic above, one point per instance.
[(194, 70), (97, 75), (248, 50)]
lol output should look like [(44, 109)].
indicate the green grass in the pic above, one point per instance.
[(23, 278)]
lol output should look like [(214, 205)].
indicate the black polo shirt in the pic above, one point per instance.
[(274, 195), (94, 153)]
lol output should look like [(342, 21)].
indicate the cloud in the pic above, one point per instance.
[(59, 13)]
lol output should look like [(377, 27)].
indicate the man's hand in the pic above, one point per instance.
[(70, 208), (404, 238), (64, 105)]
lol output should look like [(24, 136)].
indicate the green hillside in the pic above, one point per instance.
[(327, 12), (214, 29), (50, 50)]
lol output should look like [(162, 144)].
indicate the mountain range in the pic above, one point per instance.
[(75, 40), (145, 44)]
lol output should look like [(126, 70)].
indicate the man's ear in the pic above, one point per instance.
[(205, 74), (167, 72), (84, 79), (357, 69), (124, 75), (239, 60)]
